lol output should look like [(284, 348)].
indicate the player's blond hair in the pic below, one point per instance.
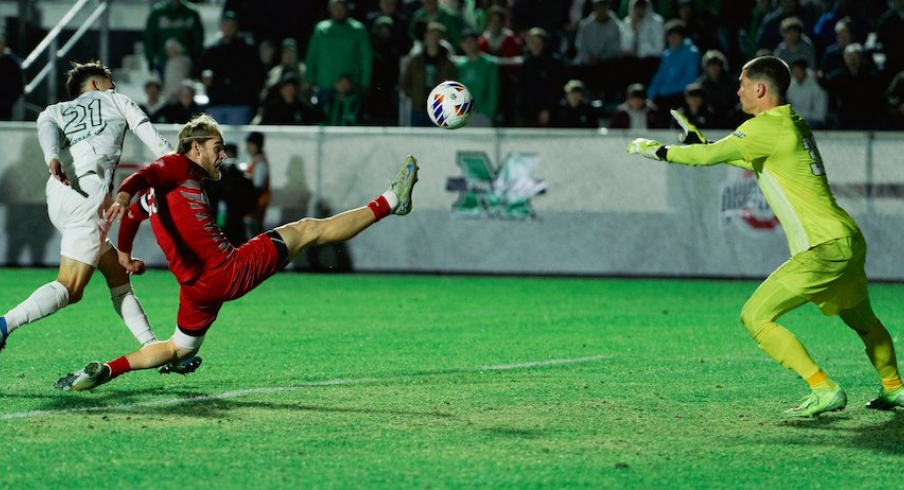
[(200, 129)]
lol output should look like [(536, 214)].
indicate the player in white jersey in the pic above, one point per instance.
[(93, 125)]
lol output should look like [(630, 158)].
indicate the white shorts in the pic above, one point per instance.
[(78, 217)]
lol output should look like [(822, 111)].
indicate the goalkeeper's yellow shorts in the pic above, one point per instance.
[(831, 275)]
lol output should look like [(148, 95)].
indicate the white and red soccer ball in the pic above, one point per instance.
[(450, 105)]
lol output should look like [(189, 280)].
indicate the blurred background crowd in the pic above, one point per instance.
[(528, 63)]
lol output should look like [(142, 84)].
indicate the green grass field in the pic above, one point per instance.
[(371, 381)]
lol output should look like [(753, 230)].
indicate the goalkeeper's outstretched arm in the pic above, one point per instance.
[(722, 151)]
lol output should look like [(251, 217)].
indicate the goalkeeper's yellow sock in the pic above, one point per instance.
[(783, 346), (821, 381), (881, 352)]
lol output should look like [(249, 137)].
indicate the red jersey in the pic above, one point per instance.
[(171, 194)]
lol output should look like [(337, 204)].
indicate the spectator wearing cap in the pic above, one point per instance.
[(480, 73), (599, 48), (432, 11), (643, 41), (719, 88), (172, 19), (153, 103), (288, 63), (380, 105), (289, 107), (10, 79), (178, 68), (540, 82), (680, 66), (398, 23), (696, 109), (637, 111), (232, 73), (574, 111), (339, 45), (795, 44), (426, 67), (500, 42), (257, 170), (806, 97), (184, 108)]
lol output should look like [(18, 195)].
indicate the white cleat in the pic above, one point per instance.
[(92, 376)]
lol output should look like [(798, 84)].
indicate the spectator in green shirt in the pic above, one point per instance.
[(339, 45), (172, 19), (480, 73)]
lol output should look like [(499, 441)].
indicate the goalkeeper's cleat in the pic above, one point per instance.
[(818, 402), (887, 400), (4, 333), (94, 375), (690, 135), (403, 184), (182, 367)]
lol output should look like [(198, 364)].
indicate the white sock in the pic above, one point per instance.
[(391, 199), (45, 301), (129, 308)]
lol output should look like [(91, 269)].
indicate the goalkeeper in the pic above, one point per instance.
[(828, 251)]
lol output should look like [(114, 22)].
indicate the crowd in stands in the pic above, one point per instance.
[(528, 63)]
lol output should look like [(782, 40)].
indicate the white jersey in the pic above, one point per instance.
[(94, 125)]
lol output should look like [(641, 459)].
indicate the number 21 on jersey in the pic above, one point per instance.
[(80, 117)]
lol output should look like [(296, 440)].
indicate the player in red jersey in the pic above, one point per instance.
[(209, 269)]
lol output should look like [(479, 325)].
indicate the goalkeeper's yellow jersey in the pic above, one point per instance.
[(778, 146)]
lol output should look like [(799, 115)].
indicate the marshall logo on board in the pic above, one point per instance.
[(488, 191)]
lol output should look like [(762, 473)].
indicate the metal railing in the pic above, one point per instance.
[(51, 41)]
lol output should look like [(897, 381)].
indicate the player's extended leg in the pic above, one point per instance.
[(150, 356), (71, 280), (124, 300), (132, 313), (344, 226), (770, 301), (881, 352)]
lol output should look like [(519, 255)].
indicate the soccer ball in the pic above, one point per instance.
[(450, 105)]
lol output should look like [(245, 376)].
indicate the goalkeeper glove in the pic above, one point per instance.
[(648, 148), (690, 135)]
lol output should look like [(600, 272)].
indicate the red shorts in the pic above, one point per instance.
[(253, 262)]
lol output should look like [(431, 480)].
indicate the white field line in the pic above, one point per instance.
[(276, 389)]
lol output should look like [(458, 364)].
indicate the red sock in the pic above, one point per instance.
[(381, 208), (119, 366)]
